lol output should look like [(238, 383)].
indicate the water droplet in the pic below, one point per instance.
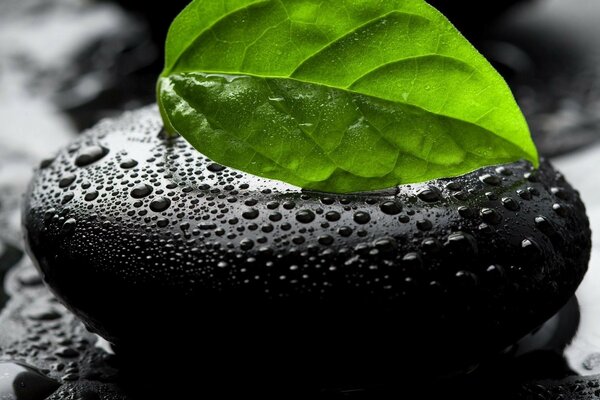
[(504, 171), (332, 216), (412, 260), (305, 216), (345, 231), (214, 167), (429, 194), (272, 205), (20, 381), (276, 216), (462, 195), (159, 204), (90, 196), (531, 176), (466, 212), (67, 198), (69, 225), (560, 209), (46, 163), (325, 240), (89, 155), (431, 245), (252, 213), (128, 163), (524, 194), (560, 193), (66, 352), (67, 180), (288, 205), (454, 186), (530, 248), (140, 191), (466, 279), (362, 217), (163, 222), (490, 216), (510, 204), (391, 207), (490, 179), (424, 225), (298, 239), (385, 244), (246, 244), (460, 242)]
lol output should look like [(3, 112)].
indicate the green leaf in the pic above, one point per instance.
[(337, 96)]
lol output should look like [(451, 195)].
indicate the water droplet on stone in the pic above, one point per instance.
[(454, 186), (325, 240), (524, 194), (362, 217), (90, 196), (214, 167), (67, 198), (89, 155), (510, 204), (491, 180), (67, 180), (66, 352), (305, 216), (530, 248), (345, 231), (490, 216), (69, 225), (424, 225), (288, 205), (332, 216), (128, 163), (560, 209), (159, 204), (429, 194), (466, 212), (246, 244), (46, 163), (391, 207), (140, 191), (250, 214), (504, 171), (560, 193), (276, 216)]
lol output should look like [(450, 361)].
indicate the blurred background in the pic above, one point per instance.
[(66, 64)]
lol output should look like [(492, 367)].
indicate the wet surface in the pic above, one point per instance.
[(64, 64)]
